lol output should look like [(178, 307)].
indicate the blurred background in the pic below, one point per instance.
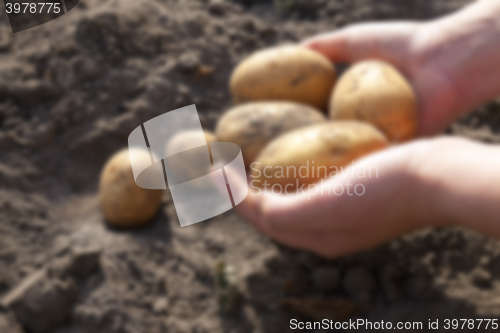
[(73, 89)]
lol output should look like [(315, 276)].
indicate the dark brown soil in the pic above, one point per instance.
[(70, 93)]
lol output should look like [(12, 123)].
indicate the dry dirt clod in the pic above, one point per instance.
[(189, 62), (481, 278), (41, 303), (9, 324), (160, 306), (319, 309), (5, 40), (219, 7), (79, 263), (326, 279), (359, 283)]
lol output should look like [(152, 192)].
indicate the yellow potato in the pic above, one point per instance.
[(191, 163), (291, 73), (375, 92), (181, 141), (253, 125), (307, 155), (123, 203)]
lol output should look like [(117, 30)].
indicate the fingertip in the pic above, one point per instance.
[(311, 42), (250, 210), (332, 45), (282, 212)]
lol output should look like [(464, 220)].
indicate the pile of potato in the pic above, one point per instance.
[(283, 96), (286, 92)]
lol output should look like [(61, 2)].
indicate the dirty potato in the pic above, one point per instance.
[(377, 93), (291, 73), (188, 163), (183, 140), (253, 125), (307, 155), (123, 203)]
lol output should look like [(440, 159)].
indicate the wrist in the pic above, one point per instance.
[(464, 48), (455, 184), (423, 170)]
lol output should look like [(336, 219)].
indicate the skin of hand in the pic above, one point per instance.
[(453, 66), (452, 63), (431, 182)]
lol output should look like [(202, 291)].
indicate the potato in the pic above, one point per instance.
[(191, 163), (180, 141), (291, 73), (123, 203), (253, 125), (307, 155), (375, 92)]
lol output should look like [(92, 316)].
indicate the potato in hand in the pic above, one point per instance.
[(307, 155), (286, 73), (253, 125), (375, 92)]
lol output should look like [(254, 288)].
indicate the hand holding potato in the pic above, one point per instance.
[(452, 63), (416, 187)]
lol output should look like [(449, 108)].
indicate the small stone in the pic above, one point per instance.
[(160, 306), (40, 303), (481, 278), (277, 264), (85, 261), (418, 286), (359, 283), (326, 279), (309, 5), (390, 279), (88, 316), (218, 7), (9, 324), (79, 263), (5, 40), (30, 93), (189, 62), (484, 261), (306, 260)]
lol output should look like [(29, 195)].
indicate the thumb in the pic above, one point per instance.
[(384, 41), (333, 45)]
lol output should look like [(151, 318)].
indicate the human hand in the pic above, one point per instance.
[(419, 184), (332, 225), (395, 44), (453, 66), (451, 63)]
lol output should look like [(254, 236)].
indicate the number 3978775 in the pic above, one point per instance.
[(33, 8)]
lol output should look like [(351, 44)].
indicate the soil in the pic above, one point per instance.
[(73, 89)]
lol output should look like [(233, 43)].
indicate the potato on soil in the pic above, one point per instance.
[(253, 125), (307, 155), (123, 203), (190, 163), (375, 92), (290, 73)]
